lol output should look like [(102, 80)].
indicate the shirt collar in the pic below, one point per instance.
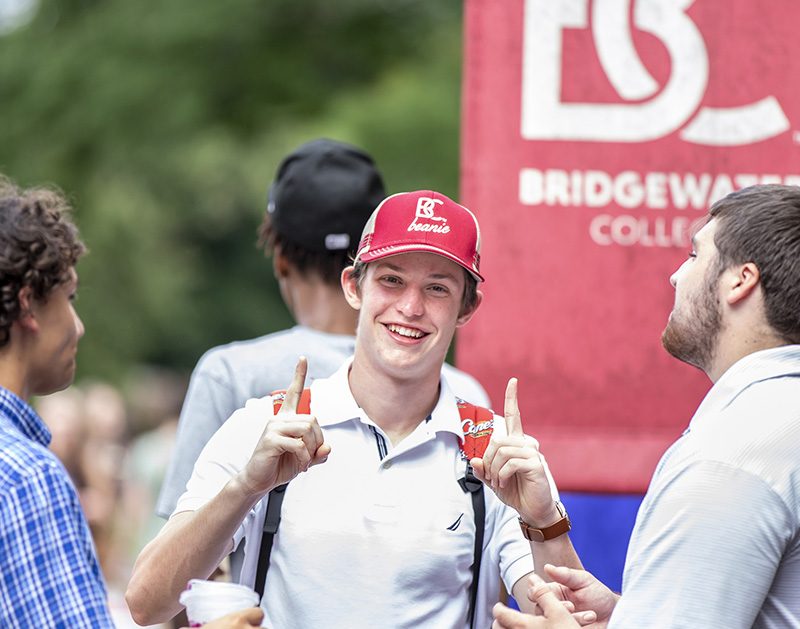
[(332, 403), (21, 416), (763, 365), (445, 416)]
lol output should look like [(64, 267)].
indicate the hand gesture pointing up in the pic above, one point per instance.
[(514, 468), (290, 444)]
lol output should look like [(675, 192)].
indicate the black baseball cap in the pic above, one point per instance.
[(323, 194)]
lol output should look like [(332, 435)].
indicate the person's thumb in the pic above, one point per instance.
[(321, 455), (544, 597), (477, 469), (571, 578), (253, 616)]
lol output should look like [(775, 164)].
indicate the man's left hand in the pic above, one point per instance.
[(515, 469)]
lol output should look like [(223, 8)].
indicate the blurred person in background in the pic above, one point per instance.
[(90, 430), (155, 401), (103, 454), (88, 427), (62, 413), (155, 396), (320, 200), (51, 576)]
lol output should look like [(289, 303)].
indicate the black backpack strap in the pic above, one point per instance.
[(475, 487), (271, 521), (275, 500)]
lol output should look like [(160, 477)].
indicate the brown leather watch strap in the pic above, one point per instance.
[(556, 529)]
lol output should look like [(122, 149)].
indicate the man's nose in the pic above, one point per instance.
[(79, 326), (673, 279), (411, 303)]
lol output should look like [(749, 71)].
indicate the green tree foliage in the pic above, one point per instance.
[(164, 121)]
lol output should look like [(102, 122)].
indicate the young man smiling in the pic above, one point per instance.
[(376, 528)]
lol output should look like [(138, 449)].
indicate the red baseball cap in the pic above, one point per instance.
[(423, 220)]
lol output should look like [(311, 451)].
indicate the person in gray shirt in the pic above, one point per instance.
[(321, 198)]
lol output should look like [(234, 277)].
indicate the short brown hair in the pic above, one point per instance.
[(761, 224), (326, 265), (39, 245), (469, 299)]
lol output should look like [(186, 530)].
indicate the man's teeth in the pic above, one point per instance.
[(399, 329)]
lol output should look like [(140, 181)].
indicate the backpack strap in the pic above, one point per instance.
[(271, 521), (303, 406), (477, 423), (275, 500)]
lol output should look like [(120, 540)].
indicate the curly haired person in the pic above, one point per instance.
[(51, 576)]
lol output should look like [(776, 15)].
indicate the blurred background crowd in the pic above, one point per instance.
[(115, 442), (163, 122)]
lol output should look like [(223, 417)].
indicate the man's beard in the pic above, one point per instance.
[(692, 337)]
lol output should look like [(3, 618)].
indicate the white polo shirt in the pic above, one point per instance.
[(377, 535)]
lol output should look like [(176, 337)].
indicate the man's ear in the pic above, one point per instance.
[(27, 319), (350, 288), (280, 265), (740, 282), (466, 316)]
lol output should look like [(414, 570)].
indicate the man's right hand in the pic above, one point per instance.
[(290, 444), (579, 587)]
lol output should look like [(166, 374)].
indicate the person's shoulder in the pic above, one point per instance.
[(756, 433), (22, 456), (764, 414), (242, 349), (277, 347), (29, 469)]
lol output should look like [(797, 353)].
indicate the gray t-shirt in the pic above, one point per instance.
[(229, 375)]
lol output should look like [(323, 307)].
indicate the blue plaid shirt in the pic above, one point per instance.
[(49, 575)]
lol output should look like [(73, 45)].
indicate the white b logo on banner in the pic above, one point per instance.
[(545, 117)]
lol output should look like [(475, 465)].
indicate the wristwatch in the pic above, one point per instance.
[(557, 529)]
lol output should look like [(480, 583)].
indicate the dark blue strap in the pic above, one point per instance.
[(475, 487), (271, 521)]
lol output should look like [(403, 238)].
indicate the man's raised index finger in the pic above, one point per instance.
[(511, 410), (292, 398)]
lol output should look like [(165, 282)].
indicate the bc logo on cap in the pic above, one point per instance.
[(425, 210)]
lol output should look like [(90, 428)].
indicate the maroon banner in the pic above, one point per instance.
[(595, 135)]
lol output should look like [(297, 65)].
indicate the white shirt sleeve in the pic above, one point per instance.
[(226, 453)]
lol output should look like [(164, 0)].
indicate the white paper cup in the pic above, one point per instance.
[(208, 600)]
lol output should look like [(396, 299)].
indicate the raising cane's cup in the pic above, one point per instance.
[(208, 600)]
